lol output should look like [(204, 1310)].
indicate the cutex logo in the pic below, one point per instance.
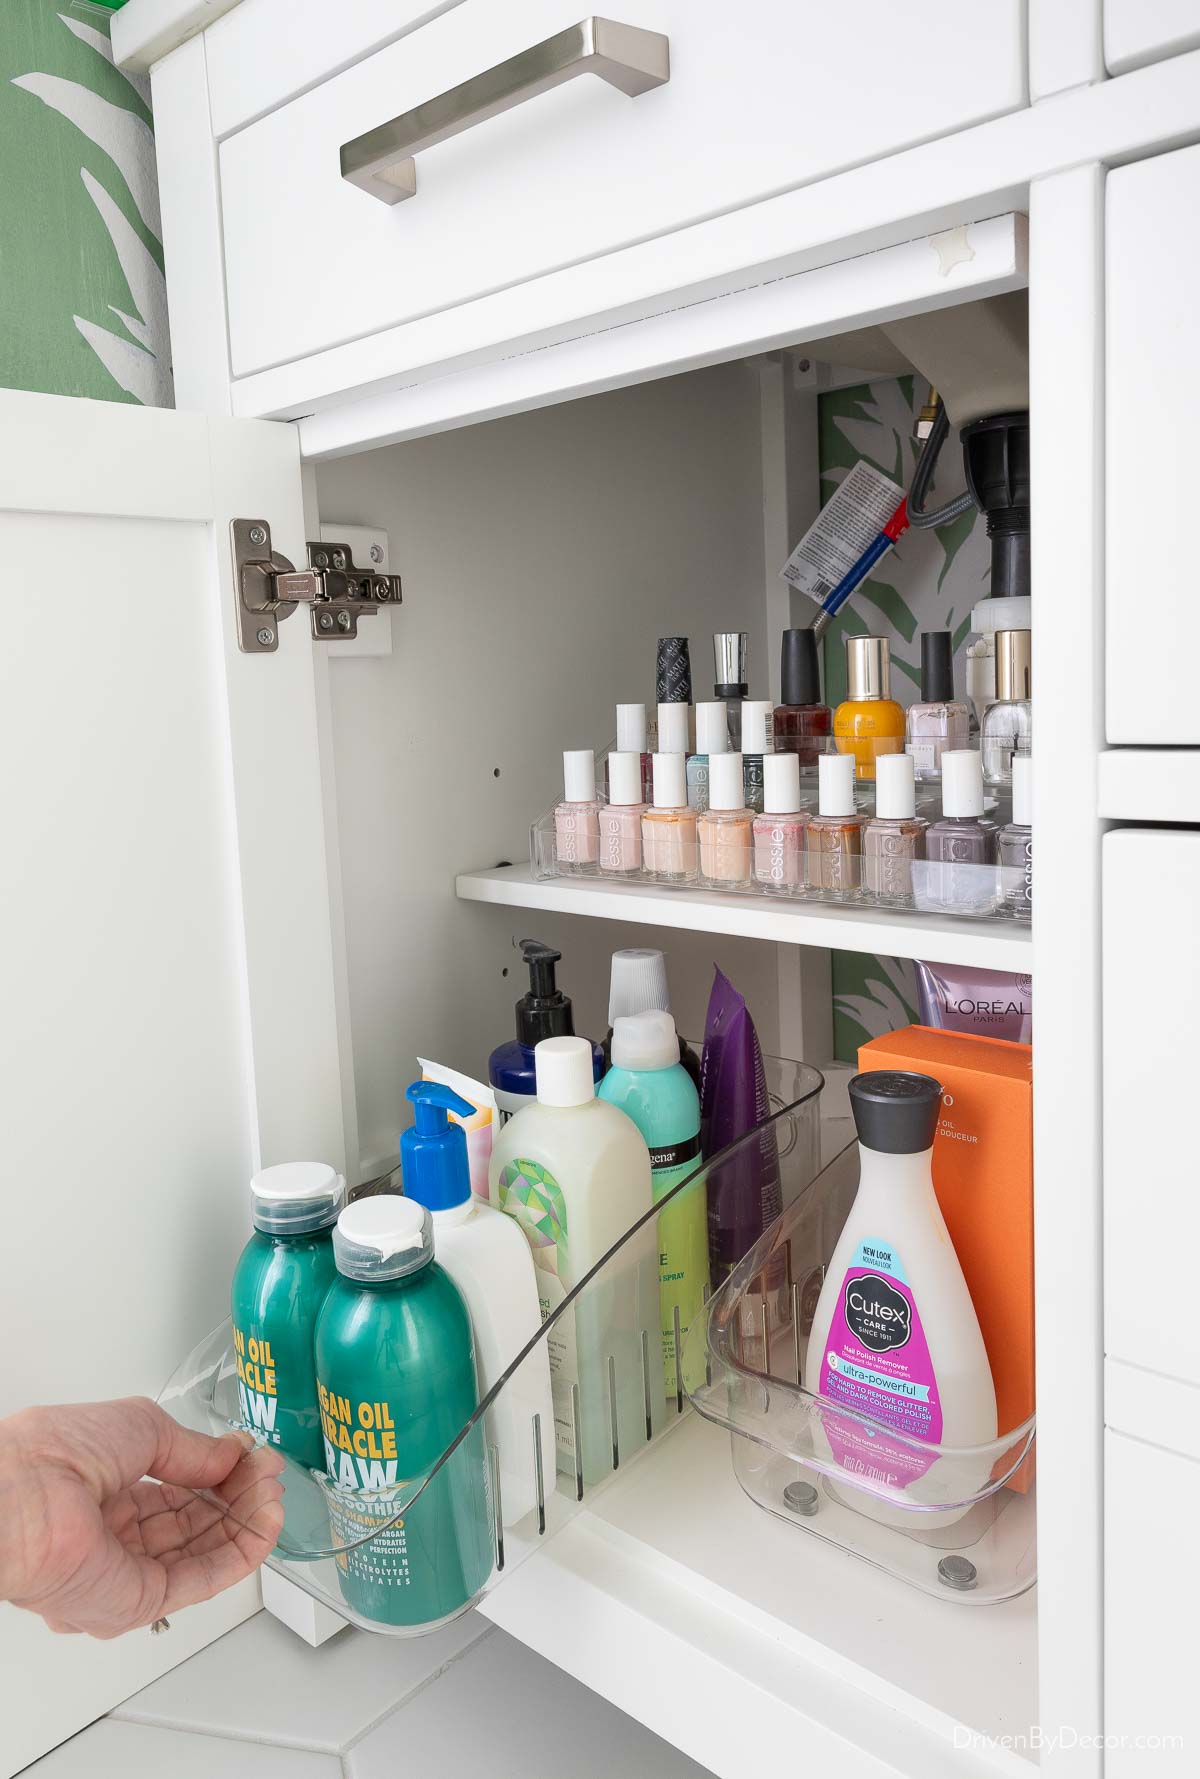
[(877, 1314)]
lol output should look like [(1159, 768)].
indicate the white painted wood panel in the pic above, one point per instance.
[(1065, 45), (1141, 31)]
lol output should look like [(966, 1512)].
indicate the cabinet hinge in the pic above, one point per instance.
[(268, 589)]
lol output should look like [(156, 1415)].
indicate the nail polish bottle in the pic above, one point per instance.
[(960, 876), (939, 721), (621, 817), (577, 818), (673, 673), (868, 722), (712, 737), (725, 827), (1009, 721), (779, 830), (674, 731), (833, 837), (894, 836), (631, 739), (669, 826), (757, 741), (1016, 842), (801, 719), (729, 654)]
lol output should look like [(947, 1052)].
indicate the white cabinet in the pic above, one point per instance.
[(1141, 31)]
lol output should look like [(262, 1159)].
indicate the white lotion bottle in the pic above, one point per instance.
[(574, 1173), (492, 1267), (895, 1339)]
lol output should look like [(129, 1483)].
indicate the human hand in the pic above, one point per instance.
[(92, 1546)]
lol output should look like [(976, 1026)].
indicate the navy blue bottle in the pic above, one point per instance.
[(545, 1012)]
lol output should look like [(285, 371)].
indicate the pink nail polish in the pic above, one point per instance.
[(621, 817)]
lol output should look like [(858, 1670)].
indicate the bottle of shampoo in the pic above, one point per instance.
[(396, 1385), (648, 1082), (895, 1338), (280, 1283), (545, 1012), (575, 1174), (489, 1260)]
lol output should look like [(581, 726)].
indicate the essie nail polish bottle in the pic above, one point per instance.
[(868, 722), (669, 827), (1016, 842), (712, 737), (631, 739), (960, 876), (674, 730), (576, 820), (779, 830), (729, 656), (725, 827), (757, 742), (833, 837), (801, 720), (621, 817), (894, 836), (939, 721), (1008, 723)]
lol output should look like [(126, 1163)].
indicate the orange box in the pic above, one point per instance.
[(983, 1177)]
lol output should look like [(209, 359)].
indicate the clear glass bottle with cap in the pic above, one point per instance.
[(868, 722), (960, 875), (669, 826), (278, 1288), (577, 818), (757, 742), (894, 836), (396, 1382), (725, 827), (938, 720), (712, 737), (779, 830), (1008, 723), (620, 819), (637, 983), (730, 682), (802, 722), (631, 739), (833, 837), (1016, 842)]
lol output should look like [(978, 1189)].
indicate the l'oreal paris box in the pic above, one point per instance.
[(983, 1177)]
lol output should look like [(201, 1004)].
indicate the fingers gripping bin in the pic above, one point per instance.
[(956, 1522)]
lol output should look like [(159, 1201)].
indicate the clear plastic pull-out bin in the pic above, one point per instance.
[(957, 1522)]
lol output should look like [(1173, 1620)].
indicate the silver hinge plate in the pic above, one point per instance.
[(268, 589)]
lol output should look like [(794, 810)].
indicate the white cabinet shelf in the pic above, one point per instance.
[(999, 945)]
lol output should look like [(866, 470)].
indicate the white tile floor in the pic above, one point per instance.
[(466, 1703)]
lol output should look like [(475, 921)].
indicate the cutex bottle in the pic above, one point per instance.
[(396, 1384), (280, 1283)]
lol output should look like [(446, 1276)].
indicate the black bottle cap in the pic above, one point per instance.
[(895, 1113), (674, 677), (545, 1012), (799, 673), (937, 667)]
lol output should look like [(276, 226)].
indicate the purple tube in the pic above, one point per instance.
[(989, 1003), (744, 1191)]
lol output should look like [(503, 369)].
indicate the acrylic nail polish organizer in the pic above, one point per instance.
[(962, 1528)]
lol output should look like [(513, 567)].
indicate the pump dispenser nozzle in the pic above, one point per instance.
[(545, 1012), (433, 1155)]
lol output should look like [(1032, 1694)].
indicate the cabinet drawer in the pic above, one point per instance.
[(759, 99), (1141, 31), (1151, 987)]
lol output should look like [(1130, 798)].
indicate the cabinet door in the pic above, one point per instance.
[(1141, 31), (168, 999)]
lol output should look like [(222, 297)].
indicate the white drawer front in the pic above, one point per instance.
[(1151, 1584), (1141, 31), (1151, 983), (762, 96)]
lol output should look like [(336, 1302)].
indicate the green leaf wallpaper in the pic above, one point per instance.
[(930, 581), (83, 305)]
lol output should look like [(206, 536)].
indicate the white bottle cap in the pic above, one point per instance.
[(895, 791), (835, 784), (579, 775), (645, 1041), (638, 982), (631, 728), (712, 729), (672, 728), (383, 1237), (1022, 790), (624, 778), (562, 1068), (726, 787), (781, 784), (670, 777), (757, 727), (962, 782), (295, 1197)]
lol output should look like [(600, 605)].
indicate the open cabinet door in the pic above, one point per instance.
[(168, 980)]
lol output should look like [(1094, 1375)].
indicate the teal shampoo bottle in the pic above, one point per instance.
[(280, 1283), (396, 1382), (650, 1085)]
